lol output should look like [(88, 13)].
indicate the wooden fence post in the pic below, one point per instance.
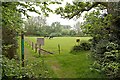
[(59, 48), (36, 47), (22, 48), (39, 49), (32, 45)]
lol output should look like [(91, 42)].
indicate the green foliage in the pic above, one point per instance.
[(107, 58), (72, 32), (85, 46), (12, 22), (76, 9), (104, 45), (35, 26), (12, 69), (78, 29), (55, 34), (111, 69), (97, 24), (11, 26)]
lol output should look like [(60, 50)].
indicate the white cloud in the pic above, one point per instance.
[(57, 18)]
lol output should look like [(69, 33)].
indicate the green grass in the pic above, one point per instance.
[(65, 43), (32, 58), (64, 65)]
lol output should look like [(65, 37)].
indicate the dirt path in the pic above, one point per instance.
[(56, 68)]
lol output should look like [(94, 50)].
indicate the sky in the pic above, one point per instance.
[(57, 18)]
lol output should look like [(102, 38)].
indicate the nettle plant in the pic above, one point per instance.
[(84, 46)]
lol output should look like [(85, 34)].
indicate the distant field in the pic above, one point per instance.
[(65, 64), (66, 43)]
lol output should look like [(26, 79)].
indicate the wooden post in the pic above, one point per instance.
[(22, 48), (36, 47), (32, 45), (39, 49), (59, 48)]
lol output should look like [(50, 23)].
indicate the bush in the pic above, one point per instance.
[(55, 34), (12, 70), (83, 46), (107, 58)]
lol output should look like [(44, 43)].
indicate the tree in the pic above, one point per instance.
[(96, 23), (35, 26), (72, 33), (11, 22), (66, 27), (78, 29), (56, 27), (65, 32)]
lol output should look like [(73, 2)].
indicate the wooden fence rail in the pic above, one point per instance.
[(35, 47)]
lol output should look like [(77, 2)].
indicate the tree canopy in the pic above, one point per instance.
[(75, 9)]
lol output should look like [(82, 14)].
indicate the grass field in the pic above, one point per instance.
[(65, 43), (65, 64)]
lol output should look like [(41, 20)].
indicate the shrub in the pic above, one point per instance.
[(107, 58), (83, 46), (12, 70)]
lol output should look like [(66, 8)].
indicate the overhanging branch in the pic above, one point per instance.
[(84, 9)]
